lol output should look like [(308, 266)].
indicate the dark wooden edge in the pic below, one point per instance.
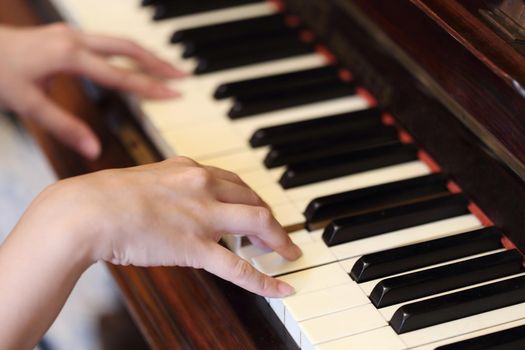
[(463, 21)]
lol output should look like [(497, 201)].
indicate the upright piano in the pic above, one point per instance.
[(388, 138)]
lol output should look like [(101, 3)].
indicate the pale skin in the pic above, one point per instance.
[(171, 213), (30, 57)]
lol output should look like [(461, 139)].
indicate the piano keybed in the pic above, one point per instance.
[(394, 256)]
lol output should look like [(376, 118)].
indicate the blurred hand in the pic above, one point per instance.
[(171, 213), (29, 57)]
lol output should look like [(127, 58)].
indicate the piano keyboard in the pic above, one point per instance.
[(393, 258)]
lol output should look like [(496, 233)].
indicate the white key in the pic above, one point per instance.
[(204, 140), (287, 215), (314, 254), (406, 236), (317, 278), (340, 324), (310, 280), (347, 264), (237, 162), (379, 339), (306, 306), (475, 334)]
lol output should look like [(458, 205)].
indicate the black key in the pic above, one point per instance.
[(250, 53), (444, 278), (171, 9), (196, 47), (339, 124), (244, 107), (317, 148), (397, 260), (375, 197), (230, 30), (508, 339), (392, 219), (277, 83), (148, 2), (204, 47), (347, 164), (457, 305)]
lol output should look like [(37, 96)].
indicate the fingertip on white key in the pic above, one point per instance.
[(285, 289), (314, 254)]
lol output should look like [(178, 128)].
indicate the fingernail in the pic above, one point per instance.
[(164, 91), (90, 148), (285, 289), (297, 251)]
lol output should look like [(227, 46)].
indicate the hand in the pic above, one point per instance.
[(171, 213), (29, 57)]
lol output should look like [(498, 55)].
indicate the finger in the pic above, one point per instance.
[(229, 192), (225, 264), (256, 241), (256, 221), (66, 128), (105, 45), (230, 176), (98, 69)]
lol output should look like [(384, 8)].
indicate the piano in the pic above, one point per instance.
[(387, 136)]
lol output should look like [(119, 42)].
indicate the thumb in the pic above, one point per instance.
[(223, 263), (66, 128)]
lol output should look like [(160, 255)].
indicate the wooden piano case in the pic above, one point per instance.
[(440, 67)]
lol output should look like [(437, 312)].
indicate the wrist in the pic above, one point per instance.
[(57, 220)]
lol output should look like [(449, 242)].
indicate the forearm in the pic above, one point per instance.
[(40, 263)]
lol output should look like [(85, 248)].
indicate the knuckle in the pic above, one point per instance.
[(60, 28), (199, 177), (264, 284), (124, 78), (242, 270), (184, 160), (134, 47), (254, 198), (236, 177), (30, 108), (263, 216), (66, 43)]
